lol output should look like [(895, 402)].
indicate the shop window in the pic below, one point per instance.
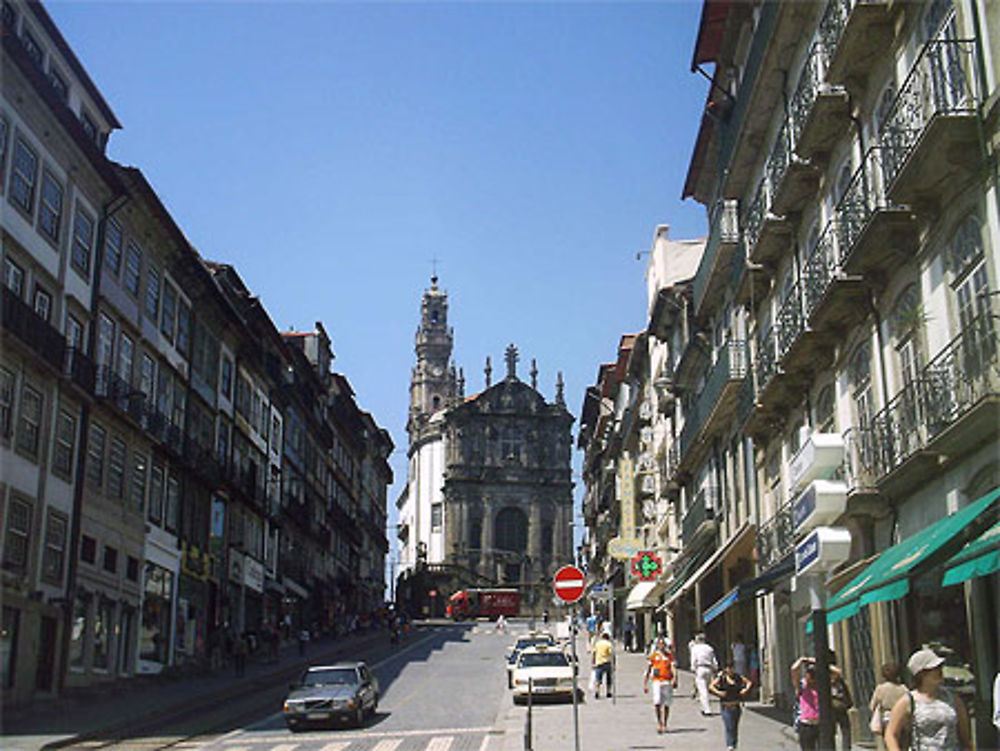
[(8, 645), (78, 633), (103, 620), (155, 635)]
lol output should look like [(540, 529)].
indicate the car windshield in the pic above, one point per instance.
[(330, 677), (543, 660)]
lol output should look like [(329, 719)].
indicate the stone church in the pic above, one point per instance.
[(489, 495)]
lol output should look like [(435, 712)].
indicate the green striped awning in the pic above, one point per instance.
[(888, 576), (980, 557)]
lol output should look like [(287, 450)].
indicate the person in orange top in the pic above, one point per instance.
[(661, 669)]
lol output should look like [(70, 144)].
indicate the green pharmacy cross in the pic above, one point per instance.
[(646, 565)]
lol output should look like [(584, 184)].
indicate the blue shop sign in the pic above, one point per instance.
[(806, 552), (804, 506)]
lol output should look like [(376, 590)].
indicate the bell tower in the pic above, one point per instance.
[(433, 383)]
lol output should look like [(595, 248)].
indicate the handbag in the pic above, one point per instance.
[(875, 723)]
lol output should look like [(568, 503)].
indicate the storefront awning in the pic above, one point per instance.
[(682, 586), (643, 595), (888, 577), (750, 588), (981, 557)]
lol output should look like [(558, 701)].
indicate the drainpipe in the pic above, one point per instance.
[(111, 208)]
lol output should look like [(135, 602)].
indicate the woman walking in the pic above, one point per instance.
[(884, 698), (731, 688), (806, 703), (931, 717)]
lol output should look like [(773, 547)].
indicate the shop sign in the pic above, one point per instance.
[(195, 563), (236, 566), (217, 531), (253, 574), (646, 565), (822, 502), (823, 550)]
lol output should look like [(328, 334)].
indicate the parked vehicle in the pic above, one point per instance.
[(543, 671), (329, 694), (483, 603), (533, 639)]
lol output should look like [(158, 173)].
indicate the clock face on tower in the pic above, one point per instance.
[(436, 370)]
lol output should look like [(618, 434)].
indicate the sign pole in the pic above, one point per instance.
[(614, 662), (576, 679)]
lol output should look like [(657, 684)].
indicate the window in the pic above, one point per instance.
[(62, 454), (152, 293), (23, 173), (95, 456), (31, 46), (30, 421), (243, 398), (435, 517), (133, 268), (147, 375), (183, 327), (132, 569), (126, 352), (102, 634), (74, 332), (110, 559), (59, 84), (226, 379), (50, 207), (6, 402), (89, 126), (113, 239), (105, 350), (155, 510), (825, 414), (138, 492), (116, 468), (222, 442), (169, 317), (43, 303), (15, 552), (88, 549), (54, 553), (13, 277), (172, 506), (78, 632), (83, 241)]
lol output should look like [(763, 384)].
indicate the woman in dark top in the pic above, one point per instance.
[(731, 688)]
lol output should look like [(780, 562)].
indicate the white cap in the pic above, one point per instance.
[(923, 659)]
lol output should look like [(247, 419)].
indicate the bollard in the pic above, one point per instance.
[(527, 718)]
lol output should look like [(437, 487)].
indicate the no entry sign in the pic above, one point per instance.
[(569, 584)]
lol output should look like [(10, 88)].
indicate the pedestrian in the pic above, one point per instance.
[(661, 670), (884, 698), (705, 665), (840, 702), (240, 650), (545, 616), (304, 637), (501, 623), (630, 635), (602, 652), (731, 687), (806, 703), (739, 652), (931, 716)]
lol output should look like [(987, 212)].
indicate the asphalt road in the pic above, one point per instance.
[(441, 690)]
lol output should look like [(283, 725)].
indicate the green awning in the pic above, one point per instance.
[(888, 576), (980, 557)]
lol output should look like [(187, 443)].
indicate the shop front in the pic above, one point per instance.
[(159, 588), (193, 606)]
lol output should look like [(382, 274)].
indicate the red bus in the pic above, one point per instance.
[(483, 603)]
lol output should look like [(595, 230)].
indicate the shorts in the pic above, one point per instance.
[(663, 693)]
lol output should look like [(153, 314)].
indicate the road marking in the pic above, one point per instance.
[(285, 747), (339, 746), (440, 743), (485, 743), (390, 744), (394, 738)]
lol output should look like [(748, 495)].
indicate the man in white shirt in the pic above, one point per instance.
[(704, 665)]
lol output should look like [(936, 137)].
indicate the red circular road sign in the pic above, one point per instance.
[(569, 583)]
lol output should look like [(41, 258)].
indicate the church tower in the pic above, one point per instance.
[(433, 383)]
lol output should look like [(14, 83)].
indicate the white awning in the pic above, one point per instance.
[(643, 595)]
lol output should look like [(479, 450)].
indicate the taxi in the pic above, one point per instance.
[(543, 672)]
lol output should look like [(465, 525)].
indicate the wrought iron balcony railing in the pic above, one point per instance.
[(947, 388), (791, 320), (822, 266), (808, 87), (753, 215), (767, 355), (731, 365), (34, 331), (780, 157), (80, 369), (723, 237), (859, 459), (701, 510), (775, 538), (941, 82)]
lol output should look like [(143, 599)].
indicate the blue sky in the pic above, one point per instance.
[(331, 150)]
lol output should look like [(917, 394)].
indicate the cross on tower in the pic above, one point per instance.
[(511, 356)]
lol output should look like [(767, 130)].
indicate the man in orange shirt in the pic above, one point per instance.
[(661, 669)]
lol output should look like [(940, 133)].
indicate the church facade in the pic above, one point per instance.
[(489, 495)]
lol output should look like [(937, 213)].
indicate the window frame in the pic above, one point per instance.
[(25, 422), (132, 277), (117, 467), (95, 473), (8, 391), (151, 298), (64, 444), (19, 178), (13, 270), (50, 208), (54, 553), (81, 252), (113, 262), (14, 534)]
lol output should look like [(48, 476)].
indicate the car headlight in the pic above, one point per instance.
[(350, 703), (520, 681), (567, 682), (292, 706)]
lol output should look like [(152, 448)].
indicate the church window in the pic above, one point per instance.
[(510, 444), (475, 534), (435, 517), (434, 316), (436, 402), (511, 530), (547, 539)]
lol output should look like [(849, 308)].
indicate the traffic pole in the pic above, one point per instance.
[(614, 663)]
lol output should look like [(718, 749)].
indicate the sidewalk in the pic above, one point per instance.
[(102, 712), (629, 722)]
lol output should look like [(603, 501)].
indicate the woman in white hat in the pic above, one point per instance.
[(931, 717)]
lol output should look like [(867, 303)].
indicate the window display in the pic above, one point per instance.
[(159, 589)]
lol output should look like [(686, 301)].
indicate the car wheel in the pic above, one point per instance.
[(292, 727), (518, 699)]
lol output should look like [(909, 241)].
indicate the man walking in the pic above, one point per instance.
[(704, 665), (602, 651), (660, 669)]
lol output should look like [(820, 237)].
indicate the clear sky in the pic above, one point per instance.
[(331, 150)]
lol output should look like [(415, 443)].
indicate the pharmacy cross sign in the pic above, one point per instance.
[(646, 565)]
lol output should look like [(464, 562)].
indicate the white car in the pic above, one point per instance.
[(543, 671), (532, 639)]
